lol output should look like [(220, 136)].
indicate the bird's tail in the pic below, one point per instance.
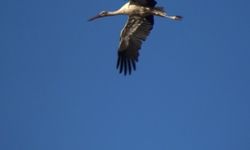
[(159, 11), (157, 8)]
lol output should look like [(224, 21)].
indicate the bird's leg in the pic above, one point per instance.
[(173, 17)]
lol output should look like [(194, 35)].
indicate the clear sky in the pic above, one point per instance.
[(59, 89)]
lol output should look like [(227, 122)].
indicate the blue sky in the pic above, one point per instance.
[(59, 88)]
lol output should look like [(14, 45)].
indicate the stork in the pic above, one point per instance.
[(139, 24)]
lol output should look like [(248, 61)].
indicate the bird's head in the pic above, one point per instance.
[(100, 15)]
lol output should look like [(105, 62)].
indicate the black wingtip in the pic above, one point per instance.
[(125, 65)]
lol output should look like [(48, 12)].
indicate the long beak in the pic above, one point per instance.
[(95, 17)]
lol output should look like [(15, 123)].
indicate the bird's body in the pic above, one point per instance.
[(133, 9), (140, 22)]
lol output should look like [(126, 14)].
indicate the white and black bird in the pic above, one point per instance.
[(140, 22)]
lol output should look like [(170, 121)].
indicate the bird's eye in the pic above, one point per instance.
[(103, 12)]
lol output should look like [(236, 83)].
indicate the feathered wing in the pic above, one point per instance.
[(147, 3), (135, 31)]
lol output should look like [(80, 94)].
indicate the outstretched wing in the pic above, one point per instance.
[(135, 31), (146, 3)]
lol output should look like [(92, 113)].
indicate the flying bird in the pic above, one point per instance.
[(139, 24)]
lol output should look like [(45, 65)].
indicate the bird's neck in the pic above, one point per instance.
[(116, 12)]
